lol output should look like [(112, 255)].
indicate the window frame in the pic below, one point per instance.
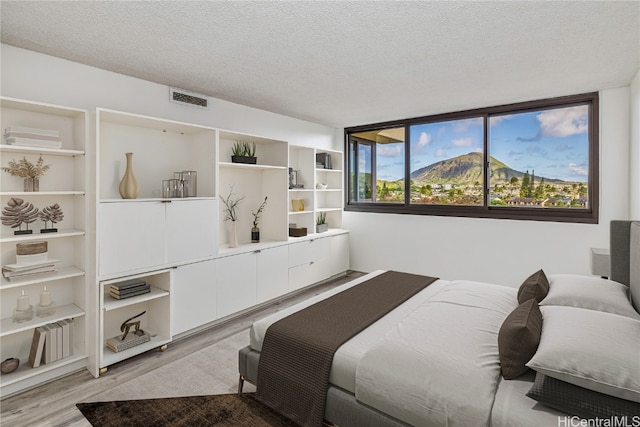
[(589, 215)]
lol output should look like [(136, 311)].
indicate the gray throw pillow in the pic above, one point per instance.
[(535, 286), (518, 338)]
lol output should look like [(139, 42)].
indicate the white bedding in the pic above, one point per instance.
[(440, 364), (343, 369)]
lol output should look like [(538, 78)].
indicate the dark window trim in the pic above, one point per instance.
[(587, 216)]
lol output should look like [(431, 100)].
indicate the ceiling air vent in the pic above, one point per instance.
[(183, 97)]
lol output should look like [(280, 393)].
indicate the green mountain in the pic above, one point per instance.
[(466, 170)]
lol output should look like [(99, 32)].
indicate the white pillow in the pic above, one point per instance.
[(591, 349), (594, 293)]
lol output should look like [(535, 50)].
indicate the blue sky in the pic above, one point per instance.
[(554, 143)]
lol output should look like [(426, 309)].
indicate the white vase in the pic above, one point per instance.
[(233, 235)]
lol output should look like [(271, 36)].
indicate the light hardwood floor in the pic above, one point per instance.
[(200, 364)]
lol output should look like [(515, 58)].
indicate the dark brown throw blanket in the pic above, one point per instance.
[(297, 353)]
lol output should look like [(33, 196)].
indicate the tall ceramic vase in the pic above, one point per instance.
[(233, 235), (129, 186)]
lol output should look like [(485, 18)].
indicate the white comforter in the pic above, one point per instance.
[(439, 365)]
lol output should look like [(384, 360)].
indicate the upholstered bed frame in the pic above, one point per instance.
[(344, 410)]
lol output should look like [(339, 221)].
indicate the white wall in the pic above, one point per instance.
[(36, 77), (634, 149), (497, 250), (500, 251)]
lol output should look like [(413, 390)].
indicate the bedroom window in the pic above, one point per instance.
[(534, 161)]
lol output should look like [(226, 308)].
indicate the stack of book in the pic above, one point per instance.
[(117, 344), (32, 137), (52, 342), (31, 258), (17, 271), (129, 288)]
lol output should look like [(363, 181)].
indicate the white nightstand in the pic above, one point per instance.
[(600, 262)]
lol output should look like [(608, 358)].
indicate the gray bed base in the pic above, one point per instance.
[(344, 410)]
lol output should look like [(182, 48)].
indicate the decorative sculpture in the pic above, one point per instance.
[(17, 213), (52, 214)]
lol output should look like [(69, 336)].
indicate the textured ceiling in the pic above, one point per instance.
[(345, 63)]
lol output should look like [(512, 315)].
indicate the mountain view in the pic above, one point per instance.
[(458, 181)]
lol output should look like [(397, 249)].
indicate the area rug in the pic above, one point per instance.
[(217, 410)]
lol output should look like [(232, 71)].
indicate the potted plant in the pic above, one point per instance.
[(243, 152), (31, 173), (231, 203), (321, 223), (255, 230)]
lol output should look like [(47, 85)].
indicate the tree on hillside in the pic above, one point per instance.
[(525, 190), (539, 192)]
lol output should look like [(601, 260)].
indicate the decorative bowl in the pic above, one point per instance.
[(321, 186)]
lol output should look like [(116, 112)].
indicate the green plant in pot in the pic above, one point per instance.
[(243, 152), (255, 230), (321, 223)]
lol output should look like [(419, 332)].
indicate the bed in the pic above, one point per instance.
[(555, 350)]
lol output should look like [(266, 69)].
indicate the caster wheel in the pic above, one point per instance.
[(163, 347), (103, 371)]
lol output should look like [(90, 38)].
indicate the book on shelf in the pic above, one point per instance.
[(31, 132), (64, 327), (127, 284), (130, 294), (132, 339), (59, 344), (13, 271), (50, 352), (32, 142), (37, 346), (120, 291)]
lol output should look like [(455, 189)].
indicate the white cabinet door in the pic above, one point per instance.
[(191, 229), (299, 276), (131, 236), (339, 254), (236, 283), (194, 295), (272, 273)]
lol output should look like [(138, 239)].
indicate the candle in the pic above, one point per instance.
[(45, 297), (23, 302)]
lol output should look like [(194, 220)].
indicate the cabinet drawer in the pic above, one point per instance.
[(308, 251)]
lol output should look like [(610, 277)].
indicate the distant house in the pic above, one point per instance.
[(522, 201)]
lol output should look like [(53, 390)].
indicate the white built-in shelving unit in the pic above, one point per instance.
[(65, 183), (180, 246)]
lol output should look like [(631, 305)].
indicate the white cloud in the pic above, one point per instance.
[(440, 153), (465, 124), (478, 150), (425, 139), (564, 121), (463, 142), (578, 169), (390, 150), (496, 120)]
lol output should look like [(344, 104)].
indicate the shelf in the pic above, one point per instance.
[(169, 200), (299, 212), (328, 209), (300, 190), (231, 165), (114, 304), (110, 357), (5, 148), (41, 193), (62, 273), (328, 170), (328, 190), (25, 370), (9, 237), (8, 327)]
